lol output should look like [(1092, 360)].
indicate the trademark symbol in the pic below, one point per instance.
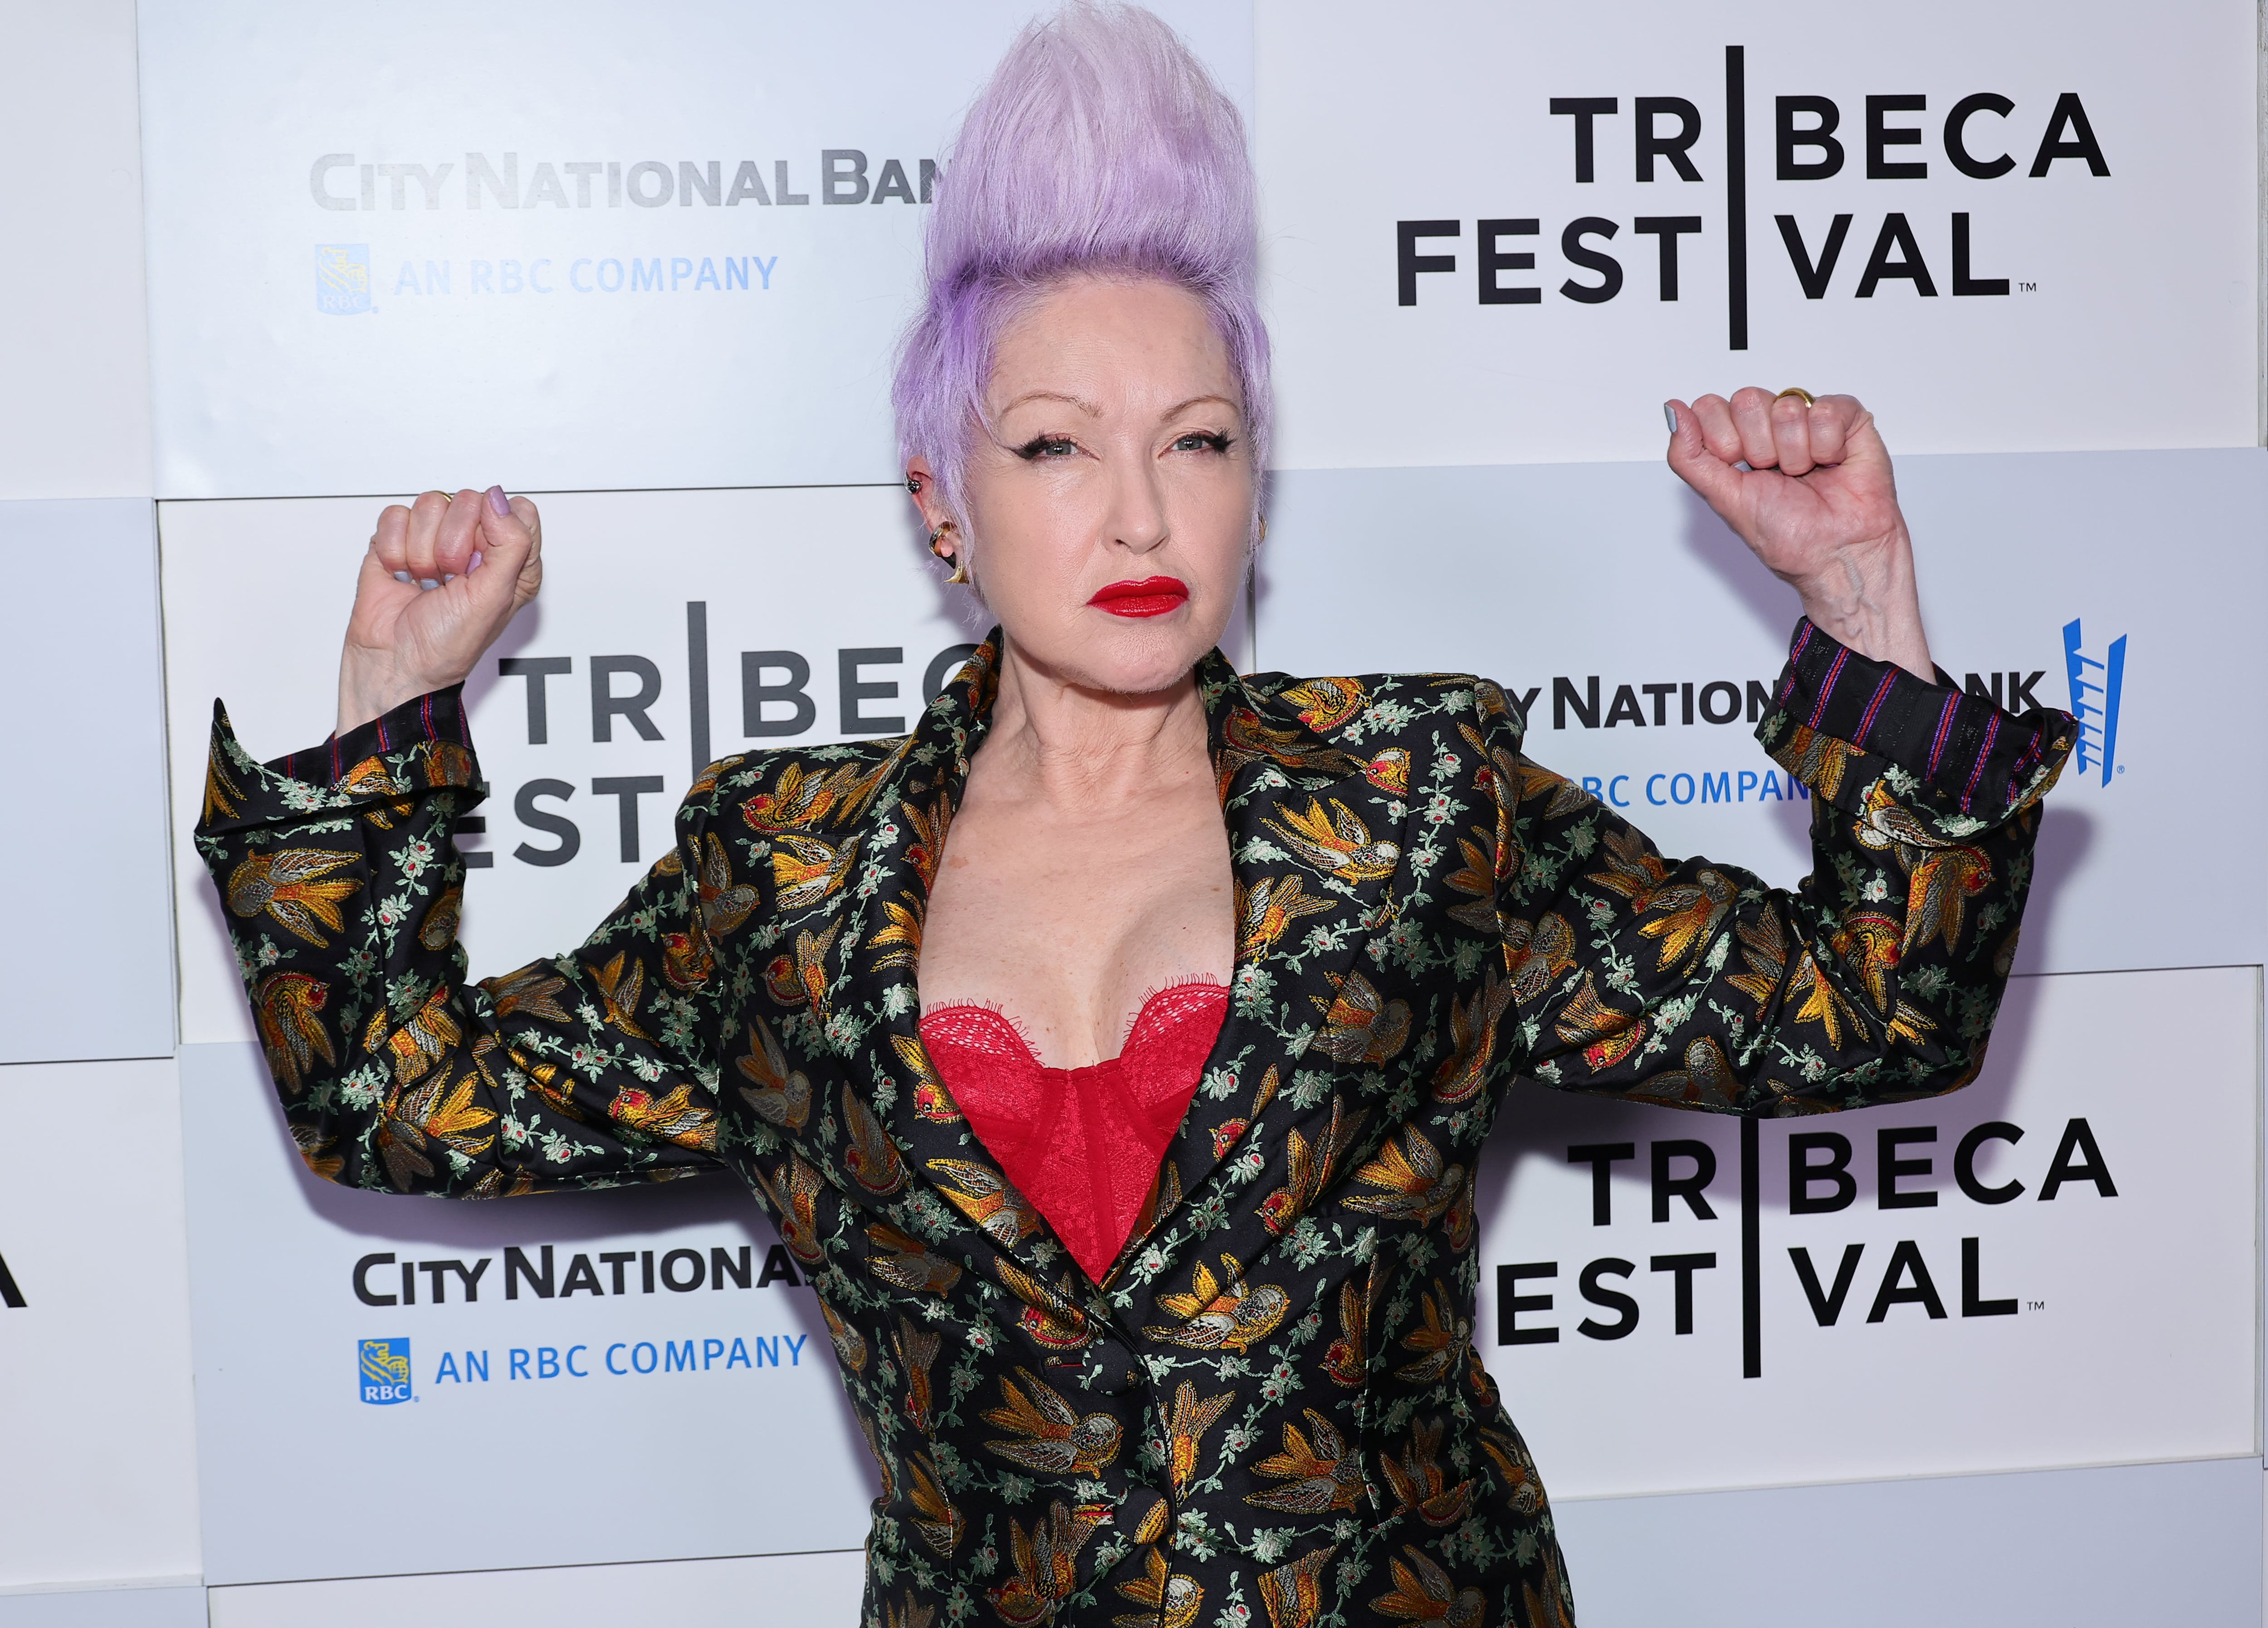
[(2027, 287), (2036, 1305)]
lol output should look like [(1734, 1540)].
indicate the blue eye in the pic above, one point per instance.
[(1203, 441), (1047, 446)]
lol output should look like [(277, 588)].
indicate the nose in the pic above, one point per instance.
[(1137, 521)]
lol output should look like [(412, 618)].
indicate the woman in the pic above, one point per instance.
[(1115, 1050)]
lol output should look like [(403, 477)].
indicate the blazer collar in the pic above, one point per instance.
[(1300, 928)]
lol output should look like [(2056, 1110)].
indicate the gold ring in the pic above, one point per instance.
[(1808, 399)]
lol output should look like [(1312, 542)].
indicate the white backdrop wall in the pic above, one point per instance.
[(97, 1436), (90, 565), (2052, 1267), (94, 1376), (2058, 202), (623, 222), (631, 1348), (481, 245), (75, 409)]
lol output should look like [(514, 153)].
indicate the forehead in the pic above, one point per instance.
[(1119, 343)]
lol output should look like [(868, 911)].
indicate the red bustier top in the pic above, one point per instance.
[(1082, 1144)]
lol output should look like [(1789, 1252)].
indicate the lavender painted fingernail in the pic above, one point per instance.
[(475, 564), (402, 576), (497, 501), (447, 578), (1670, 413), (427, 582)]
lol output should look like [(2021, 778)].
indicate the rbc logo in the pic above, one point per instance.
[(2096, 683), (386, 1371), (343, 279)]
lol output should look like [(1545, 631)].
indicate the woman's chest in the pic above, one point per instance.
[(1066, 926)]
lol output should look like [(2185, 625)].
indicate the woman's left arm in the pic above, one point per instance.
[(1877, 978)]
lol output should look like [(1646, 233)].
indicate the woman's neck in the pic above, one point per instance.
[(1074, 747)]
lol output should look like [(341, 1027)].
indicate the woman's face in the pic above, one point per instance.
[(1111, 505)]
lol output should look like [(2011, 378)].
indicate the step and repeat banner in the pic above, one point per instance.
[(2090, 1199), (648, 264), (648, 1352), (1506, 233), (2052, 1267), (567, 245)]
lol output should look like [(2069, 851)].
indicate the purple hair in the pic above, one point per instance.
[(1101, 145)]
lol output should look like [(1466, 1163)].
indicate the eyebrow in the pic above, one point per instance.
[(1179, 408), (1094, 411), (1080, 402)]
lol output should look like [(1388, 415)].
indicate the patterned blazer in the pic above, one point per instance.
[(1271, 1404)]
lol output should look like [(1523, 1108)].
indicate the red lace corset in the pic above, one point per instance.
[(1082, 1144)]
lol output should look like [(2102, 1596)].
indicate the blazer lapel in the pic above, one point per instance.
[(1316, 852), (944, 1170)]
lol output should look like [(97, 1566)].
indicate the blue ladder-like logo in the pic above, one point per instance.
[(385, 1371), (2094, 700)]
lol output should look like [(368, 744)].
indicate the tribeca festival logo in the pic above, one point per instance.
[(1825, 1174), (777, 704), (343, 279), (2096, 683), (385, 1369), (1659, 141)]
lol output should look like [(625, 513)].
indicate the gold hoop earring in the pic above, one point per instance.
[(959, 566)]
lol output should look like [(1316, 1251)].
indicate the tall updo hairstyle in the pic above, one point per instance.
[(1100, 146)]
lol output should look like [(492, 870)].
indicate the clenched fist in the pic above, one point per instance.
[(441, 580), (1818, 506)]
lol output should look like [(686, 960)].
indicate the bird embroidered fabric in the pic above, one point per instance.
[(1082, 1144)]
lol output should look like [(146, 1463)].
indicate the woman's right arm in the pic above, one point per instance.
[(342, 887)]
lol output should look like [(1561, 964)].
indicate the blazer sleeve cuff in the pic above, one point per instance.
[(423, 744), (1841, 722)]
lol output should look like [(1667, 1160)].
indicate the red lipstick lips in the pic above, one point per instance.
[(1151, 596)]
